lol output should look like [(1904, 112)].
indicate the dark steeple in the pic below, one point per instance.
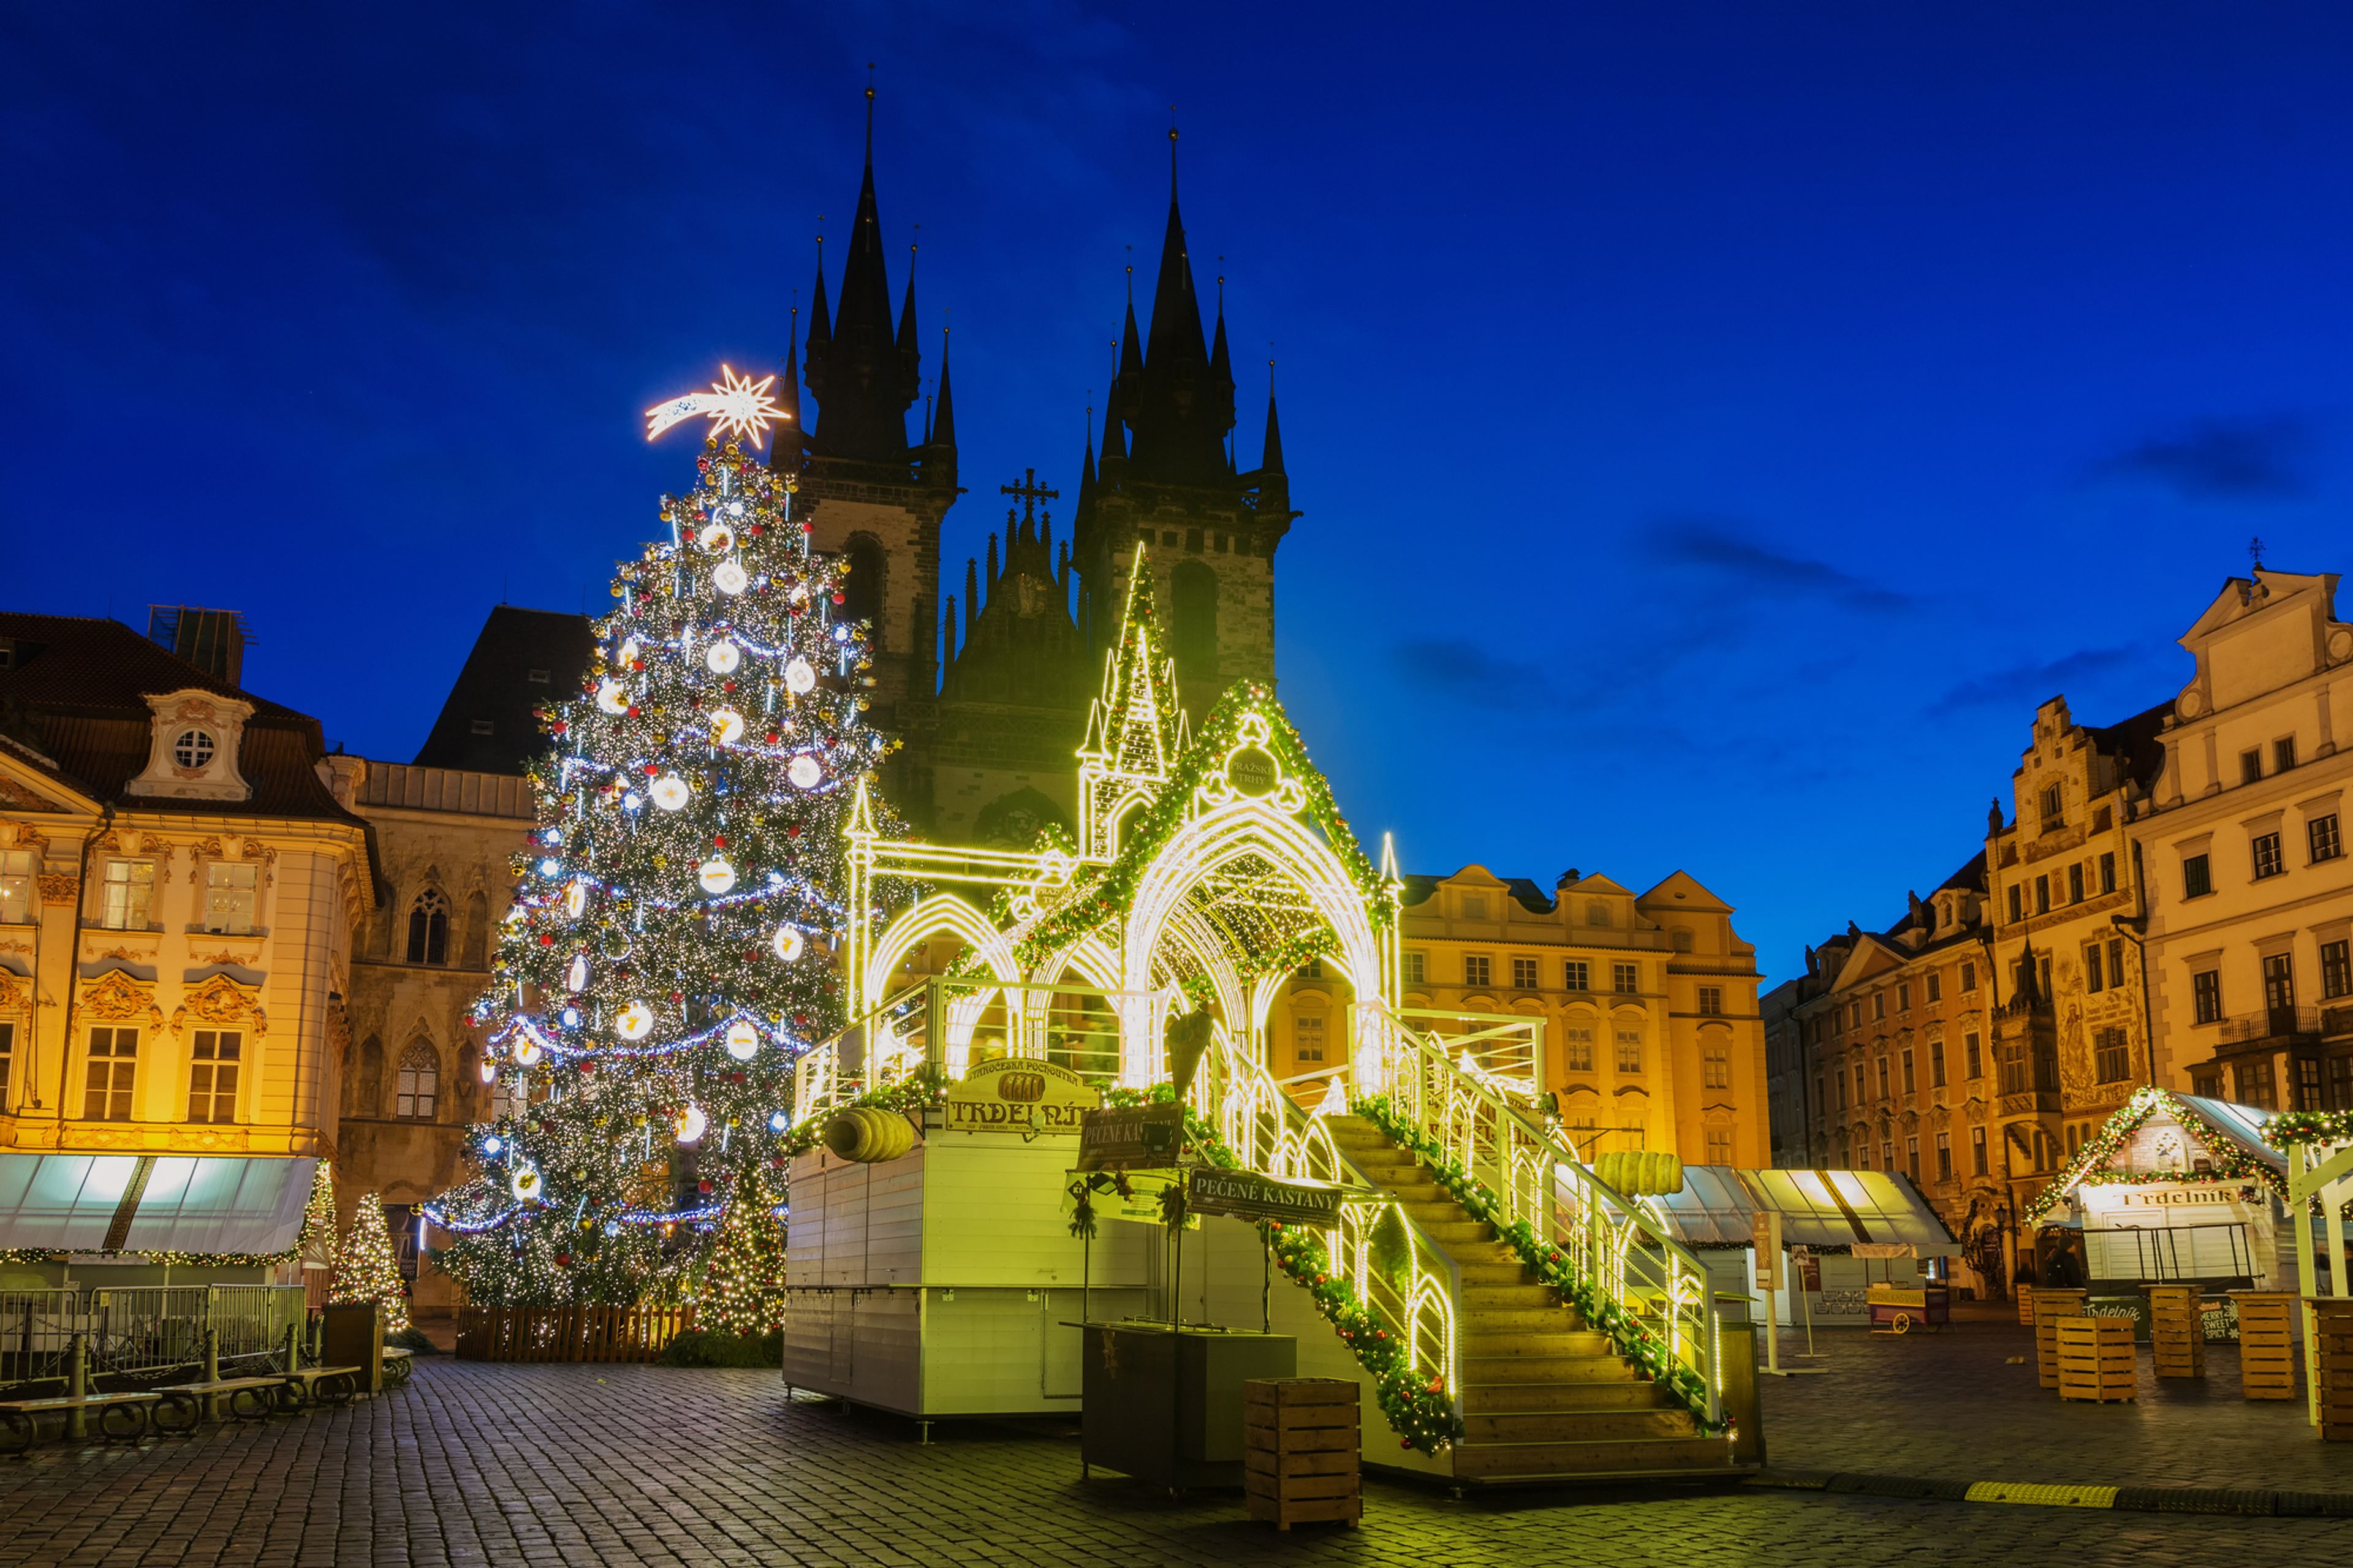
[(1271, 464), (944, 421), (863, 376), (820, 318), (788, 398), (1181, 404)]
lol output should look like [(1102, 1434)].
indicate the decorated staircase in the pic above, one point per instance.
[(1545, 1396)]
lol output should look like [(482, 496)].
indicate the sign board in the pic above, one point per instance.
[(1246, 1195), (1020, 1094), (1140, 1203), (1130, 1137), (1764, 1236)]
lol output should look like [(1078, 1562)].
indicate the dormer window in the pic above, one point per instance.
[(194, 749)]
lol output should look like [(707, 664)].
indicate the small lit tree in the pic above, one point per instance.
[(368, 1269), (744, 1277)]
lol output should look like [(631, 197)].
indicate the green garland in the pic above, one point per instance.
[(2293, 1129), (1421, 1412), (919, 1092), (2231, 1166), (1635, 1339)]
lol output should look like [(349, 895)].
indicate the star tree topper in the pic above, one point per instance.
[(735, 404)]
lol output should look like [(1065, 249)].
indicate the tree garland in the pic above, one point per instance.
[(1635, 1339), (2293, 1129), (1421, 1412)]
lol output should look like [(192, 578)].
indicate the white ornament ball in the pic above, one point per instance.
[(722, 657), (743, 1041), (527, 1052), (726, 726), (716, 538), (806, 771), (635, 1021), (716, 875), (576, 901), (490, 1075), (800, 677), (611, 698), (671, 792), (525, 1184), (690, 1124), (729, 578), (576, 978), (629, 650), (788, 942)]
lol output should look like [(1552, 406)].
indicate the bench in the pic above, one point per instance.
[(398, 1364), (21, 1417), (322, 1386), (246, 1399)]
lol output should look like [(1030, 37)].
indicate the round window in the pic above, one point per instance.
[(194, 749)]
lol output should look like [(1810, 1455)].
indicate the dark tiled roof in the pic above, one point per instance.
[(77, 688), (495, 688), (2134, 742), (1419, 888)]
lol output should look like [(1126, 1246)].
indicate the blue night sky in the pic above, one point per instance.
[(1718, 426)]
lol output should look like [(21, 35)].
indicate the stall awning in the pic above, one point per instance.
[(1817, 1209), (159, 1203)]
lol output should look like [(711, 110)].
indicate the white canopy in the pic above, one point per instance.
[(1844, 1209), (165, 1203)]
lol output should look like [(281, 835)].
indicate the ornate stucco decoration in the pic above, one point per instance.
[(115, 997), (193, 747), (220, 1000)]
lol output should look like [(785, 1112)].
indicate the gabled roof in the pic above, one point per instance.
[(1683, 890)]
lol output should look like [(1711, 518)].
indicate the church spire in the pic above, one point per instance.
[(863, 377), (1181, 404)]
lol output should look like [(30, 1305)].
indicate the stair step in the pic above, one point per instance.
[(1576, 1426), (1481, 1323), (1499, 1274), (1547, 1368), (1513, 1296), (1498, 1462), (1470, 1231), (1610, 1394), (1547, 1341)]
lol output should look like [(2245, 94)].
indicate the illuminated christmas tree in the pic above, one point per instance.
[(744, 1277), (667, 955), (368, 1269)]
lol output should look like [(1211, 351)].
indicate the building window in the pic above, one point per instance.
[(15, 887), (1977, 1151), (2054, 817), (1625, 979), (1307, 1036), (420, 1083), (1580, 1048), (1912, 1160), (2108, 872), (1715, 1068), (1936, 1064), (1839, 1078), (1819, 1089), (1936, 986), (230, 898), (485, 727), (8, 1060), (2335, 968), (2321, 838), (1477, 969), (1904, 996), (2197, 876), (2256, 1085), (2010, 1066), (1882, 1078), (2283, 753), (2251, 765), (2111, 1057), (113, 1062), (1523, 974), (194, 749), (1909, 1087), (1577, 975), (1719, 1145), (2279, 981), (2307, 1084), (2043, 895), (2269, 861), (1854, 1014), (429, 928), (2340, 1083), (1972, 1059), (1474, 906), (1597, 913), (2116, 960), (1858, 1084), (1416, 967), (1630, 1050), (129, 895), (212, 1074), (1878, 1005), (2206, 995), (1968, 977), (1943, 1156), (2075, 883), (2017, 904), (2096, 968), (1711, 1001), (1887, 1153)]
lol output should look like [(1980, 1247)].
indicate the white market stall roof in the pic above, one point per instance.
[(167, 1202), (1817, 1208), (2231, 1134)]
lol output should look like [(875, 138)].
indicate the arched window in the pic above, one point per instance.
[(478, 931), (1193, 594), (429, 928), (420, 1083), (861, 591)]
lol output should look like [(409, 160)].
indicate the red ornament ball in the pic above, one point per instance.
[(651, 769), (703, 1186), (719, 841), (563, 1261), (546, 938)]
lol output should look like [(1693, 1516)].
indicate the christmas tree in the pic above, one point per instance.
[(667, 954), (744, 1277), (368, 1269)]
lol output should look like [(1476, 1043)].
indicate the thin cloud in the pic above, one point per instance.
[(2024, 684), (1454, 666), (2221, 460), (1716, 544)]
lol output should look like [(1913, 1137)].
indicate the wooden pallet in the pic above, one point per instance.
[(2054, 1306), (2176, 1331), (2026, 1305), (1300, 1443), (2095, 1359), (2266, 1347), (2331, 1327)]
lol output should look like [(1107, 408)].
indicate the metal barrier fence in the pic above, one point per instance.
[(138, 1331)]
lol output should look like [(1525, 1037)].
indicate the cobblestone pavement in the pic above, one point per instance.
[(482, 1464), (1950, 1407)]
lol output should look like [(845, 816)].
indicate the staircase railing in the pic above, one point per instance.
[(1647, 1289)]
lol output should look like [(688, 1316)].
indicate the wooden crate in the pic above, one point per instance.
[(2053, 1307), (2176, 1331), (1299, 1459), (2095, 1359), (2026, 1305), (2266, 1346), (2331, 1328)]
